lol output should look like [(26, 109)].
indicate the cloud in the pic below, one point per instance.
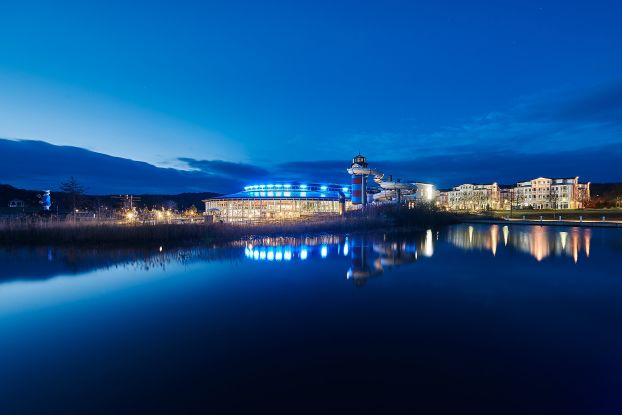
[(559, 133), (602, 105), (548, 121), (239, 171)]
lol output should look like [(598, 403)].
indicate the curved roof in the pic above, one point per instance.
[(290, 190)]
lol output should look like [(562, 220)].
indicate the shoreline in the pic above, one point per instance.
[(548, 222)]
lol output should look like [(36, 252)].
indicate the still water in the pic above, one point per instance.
[(464, 319)]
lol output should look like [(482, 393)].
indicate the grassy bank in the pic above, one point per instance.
[(64, 233)]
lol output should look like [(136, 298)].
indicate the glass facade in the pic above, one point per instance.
[(279, 202)]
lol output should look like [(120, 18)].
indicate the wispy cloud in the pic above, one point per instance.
[(560, 133), (239, 171)]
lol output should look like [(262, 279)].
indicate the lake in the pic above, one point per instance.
[(463, 319)]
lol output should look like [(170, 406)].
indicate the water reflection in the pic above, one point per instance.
[(357, 257), (39, 263), (538, 241), (369, 255)]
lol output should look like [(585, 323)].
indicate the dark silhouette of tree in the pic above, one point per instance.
[(74, 190)]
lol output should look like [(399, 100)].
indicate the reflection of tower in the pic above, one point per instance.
[(359, 185), (363, 264)]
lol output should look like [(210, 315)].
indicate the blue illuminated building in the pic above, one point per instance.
[(279, 201)]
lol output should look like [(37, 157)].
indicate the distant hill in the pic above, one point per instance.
[(61, 200), (40, 165)]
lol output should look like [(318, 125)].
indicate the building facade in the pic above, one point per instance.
[(545, 193), (471, 197), (539, 193), (279, 202)]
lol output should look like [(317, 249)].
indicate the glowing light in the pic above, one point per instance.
[(287, 194), (303, 186), (270, 186), (303, 194), (279, 254), (262, 186), (324, 251), (587, 237), (270, 194), (323, 187), (323, 195), (262, 254), (344, 189), (278, 186), (287, 186), (160, 249), (563, 236), (494, 235), (506, 233), (256, 254), (428, 248), (303, 253), (287, 255), (270, 255), (278, 194), (346, 249)]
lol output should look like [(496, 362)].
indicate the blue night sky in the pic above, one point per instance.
[(232, 92)]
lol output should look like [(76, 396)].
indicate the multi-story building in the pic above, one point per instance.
[(540, 193), (544, 193), (471, 197)]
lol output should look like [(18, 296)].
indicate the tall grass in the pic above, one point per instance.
[(81, 233)]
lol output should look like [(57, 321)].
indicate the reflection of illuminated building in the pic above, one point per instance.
[(371, 259), (538, 241), (287, 249), (539, 246), (428, 245), (494, 236), (368, 257)]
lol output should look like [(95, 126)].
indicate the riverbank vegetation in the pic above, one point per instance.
[(388, 218)]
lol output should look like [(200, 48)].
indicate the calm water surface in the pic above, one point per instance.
[(465, 319)]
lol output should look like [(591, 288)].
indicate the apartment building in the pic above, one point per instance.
[(472, 197), (545, 193), (540, 193)]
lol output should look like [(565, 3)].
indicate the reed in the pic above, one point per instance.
[(41, 231)]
